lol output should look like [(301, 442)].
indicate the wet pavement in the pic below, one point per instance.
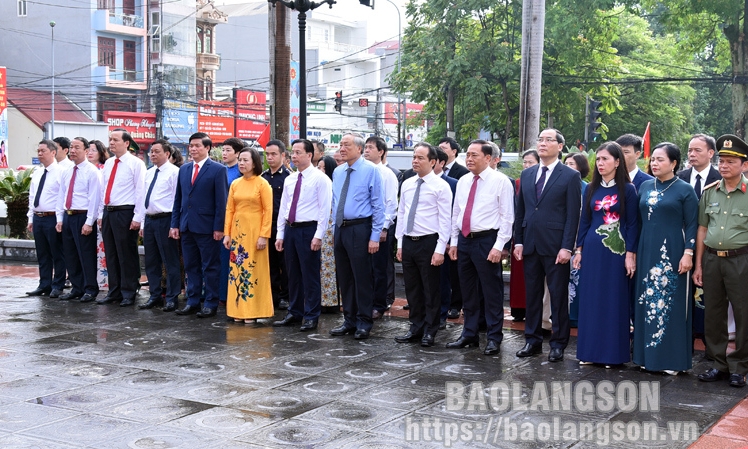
[(86, 375)]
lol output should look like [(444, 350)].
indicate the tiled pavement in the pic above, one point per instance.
[(82, 375)]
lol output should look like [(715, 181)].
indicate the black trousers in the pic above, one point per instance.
[(382, 263), (80, 254), (354, 273), (278, 272), (202, 265), (305, 292), (49, 256), (160, 249), (121, 250), (422, 284), (454, 280), (556, 275), (482, 287)]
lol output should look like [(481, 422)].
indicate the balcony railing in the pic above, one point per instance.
[(128, 20), (124, 75), (208, 61)]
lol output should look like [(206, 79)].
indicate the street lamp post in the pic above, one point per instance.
[(400, 127), (302, 6), (52, 126)]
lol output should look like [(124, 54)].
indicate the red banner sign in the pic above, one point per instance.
[(141, 126), (392, 112), (251, 115), (216, 118)]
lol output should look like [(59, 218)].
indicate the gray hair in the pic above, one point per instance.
[(496, 150), (358, 140)]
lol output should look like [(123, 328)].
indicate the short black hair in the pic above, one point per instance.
[(711, 144), (277, 143), (84, 141), (63, 142), (330, 165), (559, 137), (51, 144), (452, 143), (202, 136), (308, 146), (432, 156), (165, 145), (441, 155), (319, 144), (583, 165), (485, 147), (533, 153), (125, 136), (236, 143), (671, 151), (630, 140), (256, 160), (379, 142)]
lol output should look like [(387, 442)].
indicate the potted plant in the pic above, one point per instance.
[(14, 189)]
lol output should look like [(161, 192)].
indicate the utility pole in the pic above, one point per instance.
[(533, 30), (279, 25)]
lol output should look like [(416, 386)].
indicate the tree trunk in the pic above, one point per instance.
[(281, 70), (450, 111), (736, 35)]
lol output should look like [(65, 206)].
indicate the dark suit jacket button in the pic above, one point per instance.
[(536, 208)]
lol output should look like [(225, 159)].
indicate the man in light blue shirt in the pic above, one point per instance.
[(358, 214)]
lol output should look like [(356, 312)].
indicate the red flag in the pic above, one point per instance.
[(646, 142), (264, 137)]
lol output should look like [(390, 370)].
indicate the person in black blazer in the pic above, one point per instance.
[(197, 220), (452, 168), (701, 150), (631, 145), (545, 227)]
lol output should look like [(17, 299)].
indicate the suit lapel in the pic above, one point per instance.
[(532, 173), (199, 173)]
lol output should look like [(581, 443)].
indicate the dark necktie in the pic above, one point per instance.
[(413, 206), (150, 189), (39, 189), (541, 182), (343, 195), (697, 186), (295, 201), (466, 217)]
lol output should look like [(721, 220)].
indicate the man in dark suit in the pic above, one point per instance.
[(197, 219), (701, 150), (450, 289), (545, 227), (452, 168), (632, 150)]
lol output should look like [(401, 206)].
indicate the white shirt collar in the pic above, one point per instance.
[(632, 174), (610, 183), (704, 173)]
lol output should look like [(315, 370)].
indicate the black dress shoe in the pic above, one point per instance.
[(108, 299), (492, 348), (442, 324), (169, 307), (188, 310), (39, 292), (713, 375), (463, 342), (55, 293), (308, 325), (342, 330), (151, 303), (69, 296), (406, 306), (376, 314), (283, 304), (288, 320), (206, 312), (88, 298), (361, 334), (556, 355), (530, 350), (427, 341), (410, 337), (737, 380), (453, 313), (127, 302)]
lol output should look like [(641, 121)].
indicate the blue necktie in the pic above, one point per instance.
[(150, 189), (541, 182), (39, 189)]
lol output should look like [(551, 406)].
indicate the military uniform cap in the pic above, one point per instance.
[(732, 145)]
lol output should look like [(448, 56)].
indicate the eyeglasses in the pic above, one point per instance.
[(548, 139)]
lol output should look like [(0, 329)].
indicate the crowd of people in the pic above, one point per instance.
[(641, 263)]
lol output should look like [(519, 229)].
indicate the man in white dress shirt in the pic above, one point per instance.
[(77, 210), (383, 275), (160, 187), (302, 221), (122, 200), (43, 195), (63, 150), (424, 223), (482, 219)]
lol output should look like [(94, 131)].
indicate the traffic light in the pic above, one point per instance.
[(363, 102), (339, 101), (594, 113), (369, 3)]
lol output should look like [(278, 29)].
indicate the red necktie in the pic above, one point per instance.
[(111, 182), (469, 207), (69, 199), (194, 175), (295, 201)]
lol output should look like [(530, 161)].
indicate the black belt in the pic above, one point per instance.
[(301, 224), (44, 214), (477, 235), (355, 221), (75, 211), (728, 252), (416, 238), (159, 215), (114, 208)]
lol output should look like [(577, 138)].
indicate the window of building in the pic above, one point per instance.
[(106, 4), (207, 44), (129, 60), (199, 40), (107, 52), (22, 8)]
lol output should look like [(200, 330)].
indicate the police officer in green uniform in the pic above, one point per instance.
[(721, 264)]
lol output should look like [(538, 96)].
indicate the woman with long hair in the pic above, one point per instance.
[(578, 162), (662, 308), (606, 243)]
